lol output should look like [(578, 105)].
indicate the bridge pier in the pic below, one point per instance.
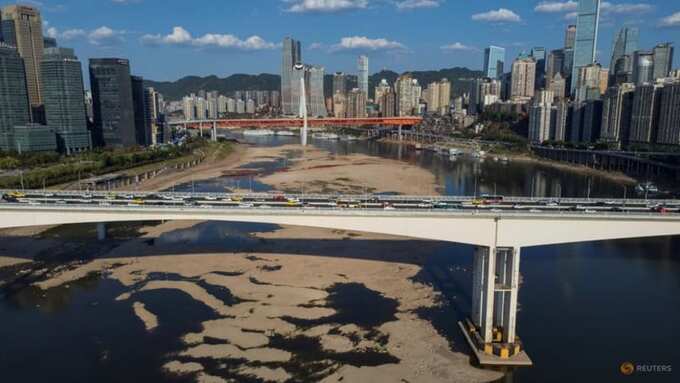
[(495, 287), (101, 231), (213, 135)]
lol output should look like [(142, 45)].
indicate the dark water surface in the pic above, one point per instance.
[(584, 308)]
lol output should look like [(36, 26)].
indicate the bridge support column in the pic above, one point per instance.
[(400, 134), (101, 231), (495, 286), (213, 135)]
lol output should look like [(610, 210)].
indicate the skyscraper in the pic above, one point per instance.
[(14, 107), (538, 53), (339, 83), (570, 37), (540, 117), (356, 104), (669, 114), (616, 113), (64, 97), (292, 55), (142, 125), (114, 116), (363, 74), (523, 78), (317, 101), (494, 62), (22, 27), (554, 65), (587, 25), (645, 113), (625, 43), (663, 60), (643, 67)]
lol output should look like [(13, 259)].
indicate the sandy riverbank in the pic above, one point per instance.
[(312, 170), (277, 287)]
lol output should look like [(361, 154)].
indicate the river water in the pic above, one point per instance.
[(584, 308)]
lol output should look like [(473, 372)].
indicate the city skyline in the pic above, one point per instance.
[(223, 42)]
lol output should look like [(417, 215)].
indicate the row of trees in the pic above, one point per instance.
[(68, 169)]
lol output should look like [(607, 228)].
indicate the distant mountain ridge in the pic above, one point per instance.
[(175, 90)]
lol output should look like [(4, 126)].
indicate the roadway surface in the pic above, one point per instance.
[(375, 203)]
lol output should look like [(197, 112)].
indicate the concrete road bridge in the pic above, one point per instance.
[(498, 234)]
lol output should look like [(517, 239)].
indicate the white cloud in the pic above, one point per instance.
[(621, 9), (303, 6), (458, 46), (606, 8), (413, 4), (181, 36), (671, 21), (104, 36), (501, 15), (362, 43), (556, 6)]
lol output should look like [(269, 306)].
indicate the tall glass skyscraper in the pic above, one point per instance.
[(663, 60), (114, 115), (587, 25), (292, 55), (494, 61), (363, 74), (625, 43), (14, 109), (64, 97)]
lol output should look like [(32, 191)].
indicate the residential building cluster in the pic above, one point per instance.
[(212, 105), (43, 103)]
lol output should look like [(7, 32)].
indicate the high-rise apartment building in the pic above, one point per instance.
[(317, 102), (645, 114), (292, 55), (382, 88), (339, 83), (22, 27), (485, 92), (114, 115), (663, 60), (154, 110), (540, 113), (626, 43), (340, 105), (494, 62), (523, 78), (616, 113), (14, 106), (362, 66), (408, 94), (558, 86), (64, 96), (587, 26), (356, 104), (669, 114)]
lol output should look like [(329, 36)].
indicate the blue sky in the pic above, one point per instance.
[(169, 39)]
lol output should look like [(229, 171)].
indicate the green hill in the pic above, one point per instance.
[(174, 90)]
